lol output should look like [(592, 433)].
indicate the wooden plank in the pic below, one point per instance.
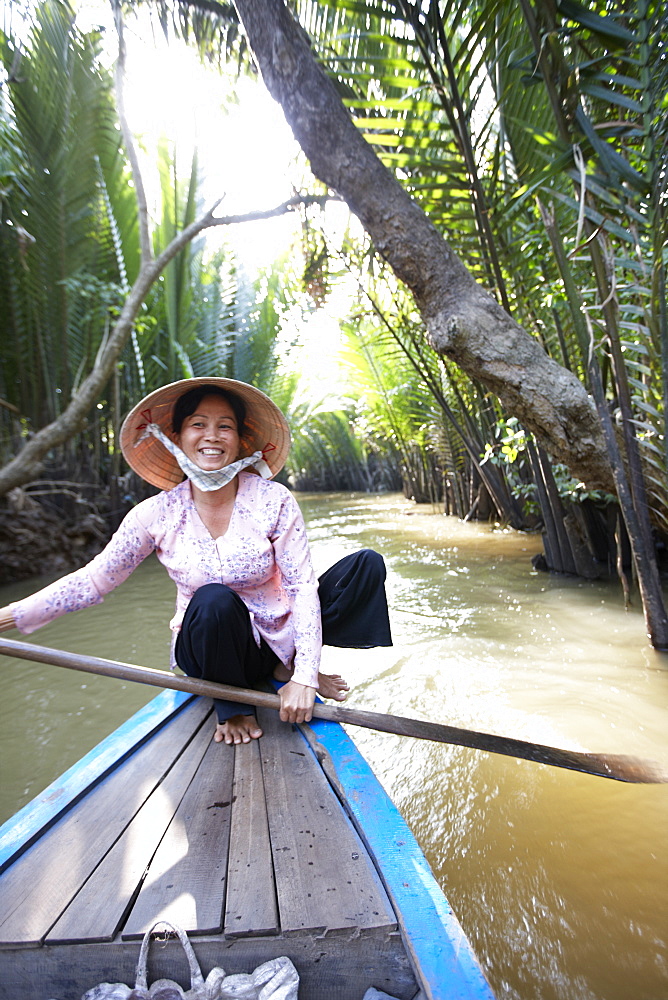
[(185, 882), (324, 879), (330, 968), (445, 964), (40, 884), (97, 911), (251, 892), (22, 829)]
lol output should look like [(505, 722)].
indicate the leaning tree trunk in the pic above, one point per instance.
[(463, 321)]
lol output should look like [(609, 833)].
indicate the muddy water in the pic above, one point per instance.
[(559, 879)]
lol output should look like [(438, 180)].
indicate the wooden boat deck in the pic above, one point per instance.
[(246, 848)]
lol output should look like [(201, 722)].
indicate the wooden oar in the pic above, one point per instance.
[(615, 766)]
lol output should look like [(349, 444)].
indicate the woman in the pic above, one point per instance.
[(248, 604)]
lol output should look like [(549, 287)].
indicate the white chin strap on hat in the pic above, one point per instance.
[(207, 481)]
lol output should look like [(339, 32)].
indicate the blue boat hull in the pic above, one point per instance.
[(435, 955)]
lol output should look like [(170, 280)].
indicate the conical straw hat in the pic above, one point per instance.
[(265, 430)]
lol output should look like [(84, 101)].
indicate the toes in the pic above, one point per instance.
[(235, 734), (333, 686), (222, 735)]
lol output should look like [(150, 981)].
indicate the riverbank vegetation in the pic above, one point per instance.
[(533, 136)]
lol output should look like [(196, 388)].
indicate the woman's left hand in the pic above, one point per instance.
[(296, 702), (6, 619)]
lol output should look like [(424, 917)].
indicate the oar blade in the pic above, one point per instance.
[(615, 766), (632, 769)]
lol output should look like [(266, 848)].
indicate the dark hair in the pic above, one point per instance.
[(186, 405)]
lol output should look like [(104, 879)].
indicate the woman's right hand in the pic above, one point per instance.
[(6, 619), (296, 702)]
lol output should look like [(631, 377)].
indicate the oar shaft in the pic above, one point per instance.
[(131, 672), (616, 766)]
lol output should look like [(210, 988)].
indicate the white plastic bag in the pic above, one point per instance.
[(275, 980), (162, 989)]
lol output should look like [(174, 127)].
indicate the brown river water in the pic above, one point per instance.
[(560, 879)]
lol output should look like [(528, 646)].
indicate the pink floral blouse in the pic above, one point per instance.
[(263, 556)]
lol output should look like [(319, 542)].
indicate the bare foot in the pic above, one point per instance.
[(238, 729), (329, 685), (332, 686)]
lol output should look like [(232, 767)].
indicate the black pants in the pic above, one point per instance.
[(216, 640)]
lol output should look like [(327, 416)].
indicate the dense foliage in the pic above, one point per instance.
[(535, 137)]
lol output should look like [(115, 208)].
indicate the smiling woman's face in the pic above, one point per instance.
[(209, 436)]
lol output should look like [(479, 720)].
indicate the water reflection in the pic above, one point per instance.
[(560, 879)]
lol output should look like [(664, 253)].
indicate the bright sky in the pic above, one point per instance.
[(245, 147), (246, 151)]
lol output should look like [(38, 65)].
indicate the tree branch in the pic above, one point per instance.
[(28, 463), (299, 201)]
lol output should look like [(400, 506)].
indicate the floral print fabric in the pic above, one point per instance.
[(263, 556)]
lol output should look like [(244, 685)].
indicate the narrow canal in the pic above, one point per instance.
[(559, 879)]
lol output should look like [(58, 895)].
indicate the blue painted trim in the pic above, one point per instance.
[(22, 829), (438, 946)]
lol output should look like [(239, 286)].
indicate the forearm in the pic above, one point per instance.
[(294, 562), (307, 634), (90, 584), (71, 593)]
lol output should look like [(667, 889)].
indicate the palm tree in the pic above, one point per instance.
[(480, 109), (58, 232)]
